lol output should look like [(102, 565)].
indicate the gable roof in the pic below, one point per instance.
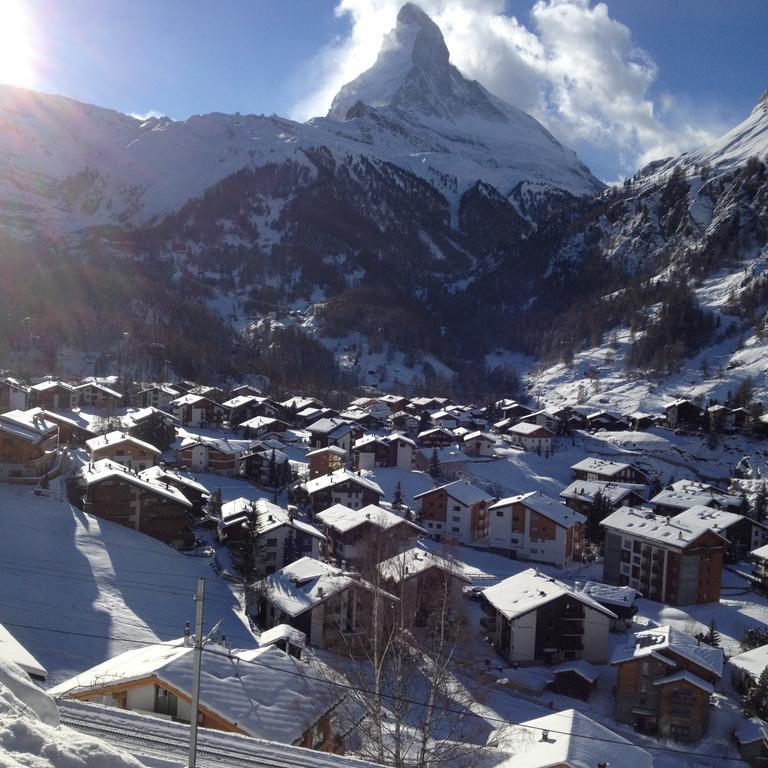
[(263, 691), (341, 476), (653, 641), (116, 438), (30, 425), (585, 490), (268, 516), (96, 472), (528, 590), (601, 466), (460, 490), (609, 594), (343, 519), (416, 560), (752, 662), (544, 505), (160, 474)]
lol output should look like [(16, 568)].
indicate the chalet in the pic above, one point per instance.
[(533, 618), (514, 411), (750, 738), (115, 493), (477, 443), (580, 494), (324, 461), (294, 405), (435, 437), (742, 419), (283, 537), (92, 394), (743, 533), (329, 605), (14, 396), (158, 396), (608, 471), (363, 537), (196, 493), (216, 394), (759, 558), (244, 390), (537, 528), (28, 444), (747, 667), (152, 425), (266, 466), (620, 600), (532, 437), (184, 386), (73, 428), (570, 739), (244, 407), (452, 461), (664, 684), (720, 418), (456, 512), (447, 419), (639, 421), (156, 679), (404, 421), (342, 487), (286, 638), (684, 414), (608, 421), (197, 411), (394, 403), (394, 450), (429, 404), (363, 419), (334, 431), (259, 426), (53, 396), (123, 449), (503, 426), (685, 494), (212, 454), (542, 418), (310, 415), (666, 560), (575, 679), (424, 581)]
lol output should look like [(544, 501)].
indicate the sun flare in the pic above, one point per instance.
[(16, 45)]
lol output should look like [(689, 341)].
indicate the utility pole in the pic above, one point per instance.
[(199, 641)]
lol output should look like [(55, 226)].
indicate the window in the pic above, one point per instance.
[(455, 529), (429, 524), (166, 703), (269, 557), (456, 508), (456, 519), (499, 513), (271, 542)]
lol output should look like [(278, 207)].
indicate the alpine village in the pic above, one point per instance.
[(391, 438)]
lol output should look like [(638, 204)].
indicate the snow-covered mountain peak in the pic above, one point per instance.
[(414, 76), (762, 104)]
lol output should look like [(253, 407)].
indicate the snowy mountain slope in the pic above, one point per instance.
[(79, 164)]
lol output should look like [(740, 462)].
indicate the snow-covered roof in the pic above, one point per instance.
[(477, 435), (241, 400), (446, 455), (139, 414), (650, 642), (544, 505), (600, 466), (398, 436), (166, 389), (717, 519), (269, 516), (12, 650), (610, 594), (116, 438), (657, 528), (527, 428), (282, 632), (752, 662), (220, 444), (460, 490), (97, 471), (573, 740), (303, 584), (760, 552), (688, 677), (43, 386), (260, 422), (333, 449), (526, 591), (29, 425), (338, 477), (160, 474), (329, 426), (101, 387), (190, 399), (417, 560), (585, 490), (343, 519), (369, 440), (685, 499), (580, 667), (265, 692), (299, 403)]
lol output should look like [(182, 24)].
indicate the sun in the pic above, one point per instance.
[(16, 45)]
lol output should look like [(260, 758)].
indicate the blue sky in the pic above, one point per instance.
[(701, 66)]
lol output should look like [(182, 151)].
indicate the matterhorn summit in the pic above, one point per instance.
[(462, 129)]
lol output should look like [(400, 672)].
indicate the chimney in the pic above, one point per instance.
[(577, 586), (320, 592), (544, 735)]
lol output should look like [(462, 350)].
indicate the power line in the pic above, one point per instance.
[(347, 686)]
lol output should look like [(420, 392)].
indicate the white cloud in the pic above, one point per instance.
[(572, 66)]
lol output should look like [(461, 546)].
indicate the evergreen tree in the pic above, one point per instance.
[(397, 498), (215, 503), (760, 503), (755, 700), (424, 421), (435, 470), (598, 510), (272, 471), (248, 554), (291, 552), (754, 638), (711, 636)]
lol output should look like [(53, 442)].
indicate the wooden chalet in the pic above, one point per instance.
[(92, 394), (122, 448), (456, 512), (342, 487), (325, 461), (53, 396), (28, 445)]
